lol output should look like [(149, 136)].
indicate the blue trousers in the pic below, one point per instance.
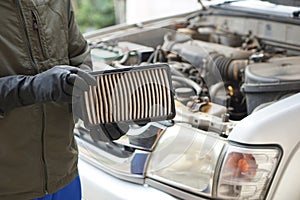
[(70, 192)]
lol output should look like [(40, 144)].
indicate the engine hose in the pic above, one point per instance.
[(189, 82), (228, 68)]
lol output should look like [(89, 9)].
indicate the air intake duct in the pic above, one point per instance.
[(229, 69)]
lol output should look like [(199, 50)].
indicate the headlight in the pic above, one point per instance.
[(246, 173), (186, 158), (203, 163)]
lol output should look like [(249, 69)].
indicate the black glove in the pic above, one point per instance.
[(60, 84)]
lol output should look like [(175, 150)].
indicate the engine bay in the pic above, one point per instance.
[(221, 65)]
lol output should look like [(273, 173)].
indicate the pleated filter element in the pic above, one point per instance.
[(138, 94)]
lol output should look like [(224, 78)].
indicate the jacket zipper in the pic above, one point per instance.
[(36, 28), (45, 187), (27, 37), (43, 150)]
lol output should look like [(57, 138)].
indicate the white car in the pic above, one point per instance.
[(227, 125)]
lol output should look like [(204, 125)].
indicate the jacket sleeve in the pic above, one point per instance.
[(9, 95), (59, 84), (79, 51)]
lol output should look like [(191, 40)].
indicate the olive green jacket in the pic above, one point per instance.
[(38, 152)]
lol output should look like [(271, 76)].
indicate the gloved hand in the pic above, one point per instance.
[(60, 84)]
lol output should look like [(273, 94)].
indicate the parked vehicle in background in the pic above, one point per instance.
[(235, 73)]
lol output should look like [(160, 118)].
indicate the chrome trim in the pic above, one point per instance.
[(119, 167)]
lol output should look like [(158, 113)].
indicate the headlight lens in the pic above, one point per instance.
[(186, 158), (246, 173), (205, 164)]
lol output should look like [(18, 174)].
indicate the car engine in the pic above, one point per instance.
[(219, 65)]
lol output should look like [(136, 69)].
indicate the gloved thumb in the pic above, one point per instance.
[(80, 78)]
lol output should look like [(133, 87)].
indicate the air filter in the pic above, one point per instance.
[(137, 94)]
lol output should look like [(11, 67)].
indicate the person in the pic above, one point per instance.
[(44, 58)]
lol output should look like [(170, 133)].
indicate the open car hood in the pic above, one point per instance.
[(275, 7)]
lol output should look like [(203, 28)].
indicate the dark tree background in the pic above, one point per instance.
[(94, 14)]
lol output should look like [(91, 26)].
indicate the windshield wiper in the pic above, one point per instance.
[(296, 14)]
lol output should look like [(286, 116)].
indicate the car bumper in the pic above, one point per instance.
[(97, 184)]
